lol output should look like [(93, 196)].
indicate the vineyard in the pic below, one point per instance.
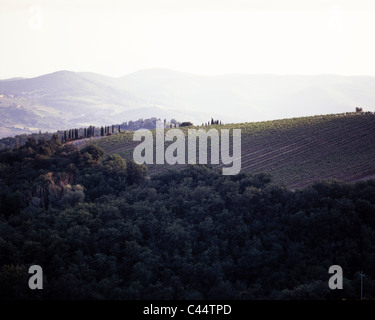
[(295, 152)]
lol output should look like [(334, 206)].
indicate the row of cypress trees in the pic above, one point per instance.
[(82, 133)]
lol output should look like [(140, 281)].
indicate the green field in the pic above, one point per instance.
[(296, 152)]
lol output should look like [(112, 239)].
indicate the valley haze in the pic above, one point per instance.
[(67, 99)]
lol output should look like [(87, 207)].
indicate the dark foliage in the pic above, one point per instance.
[(101, 229), (186, 124)]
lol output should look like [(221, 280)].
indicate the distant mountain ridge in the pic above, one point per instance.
[(67, 99)]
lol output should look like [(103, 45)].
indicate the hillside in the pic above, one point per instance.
[(67, 99), (100, 228), (297, 151)]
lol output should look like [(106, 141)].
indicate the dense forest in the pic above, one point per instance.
[(101, 228)]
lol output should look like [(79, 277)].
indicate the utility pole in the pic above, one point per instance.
[(361, 274)]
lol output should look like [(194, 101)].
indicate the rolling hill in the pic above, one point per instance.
[(66, 99), (296, 151)]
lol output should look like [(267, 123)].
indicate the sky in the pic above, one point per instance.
[(208, 37)]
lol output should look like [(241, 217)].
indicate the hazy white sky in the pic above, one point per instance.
[(198, 36)]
